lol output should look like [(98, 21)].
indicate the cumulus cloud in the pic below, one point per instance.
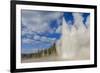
[(35, 24), (38, 21), (26, 40), (36, 37)]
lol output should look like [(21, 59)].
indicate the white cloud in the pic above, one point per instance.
[(43, 38), (36, 37), (26, 40), (46, 39), (54, 15), (38, 21)]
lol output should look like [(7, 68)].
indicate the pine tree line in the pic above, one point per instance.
[(43, 53)]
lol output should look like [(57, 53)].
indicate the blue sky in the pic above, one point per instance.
[(69, 17), (40, 29)]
